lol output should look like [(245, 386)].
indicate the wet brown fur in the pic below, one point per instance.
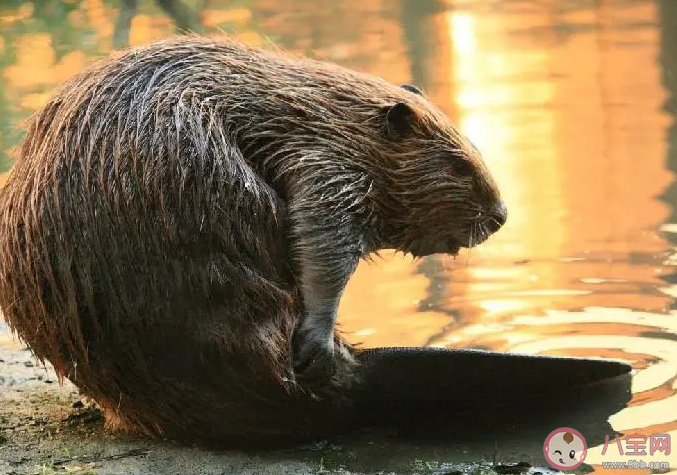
[(144, 232)]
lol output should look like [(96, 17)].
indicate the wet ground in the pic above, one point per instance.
[(572, 105)]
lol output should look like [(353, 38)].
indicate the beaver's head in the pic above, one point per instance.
[(444, 195)]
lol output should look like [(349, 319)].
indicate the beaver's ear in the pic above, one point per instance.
[(412, 88), (399, 120)]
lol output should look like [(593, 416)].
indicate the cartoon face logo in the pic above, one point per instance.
[(565, 448)]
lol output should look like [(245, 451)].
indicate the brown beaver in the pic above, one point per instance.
[(183, 218)]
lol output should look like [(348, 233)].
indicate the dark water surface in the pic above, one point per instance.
[(572, 103)]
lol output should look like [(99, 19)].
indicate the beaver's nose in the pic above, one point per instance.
[(496, 217)]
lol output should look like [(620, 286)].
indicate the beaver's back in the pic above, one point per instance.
[(145, 259)]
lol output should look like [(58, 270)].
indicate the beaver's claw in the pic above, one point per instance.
[(314, 358)]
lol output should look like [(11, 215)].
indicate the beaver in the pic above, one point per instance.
[(183, 218)]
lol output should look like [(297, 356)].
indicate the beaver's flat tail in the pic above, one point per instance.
[(403, 384)]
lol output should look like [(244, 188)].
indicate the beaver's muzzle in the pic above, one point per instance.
[(496, 217)]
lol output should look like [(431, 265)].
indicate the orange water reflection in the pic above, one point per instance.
[(565, 101)]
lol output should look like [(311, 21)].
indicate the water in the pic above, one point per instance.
[(572, 105)]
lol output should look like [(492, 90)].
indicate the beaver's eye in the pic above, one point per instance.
[(462, 167)]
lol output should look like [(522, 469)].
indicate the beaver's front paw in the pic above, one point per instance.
[(314, 358)]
